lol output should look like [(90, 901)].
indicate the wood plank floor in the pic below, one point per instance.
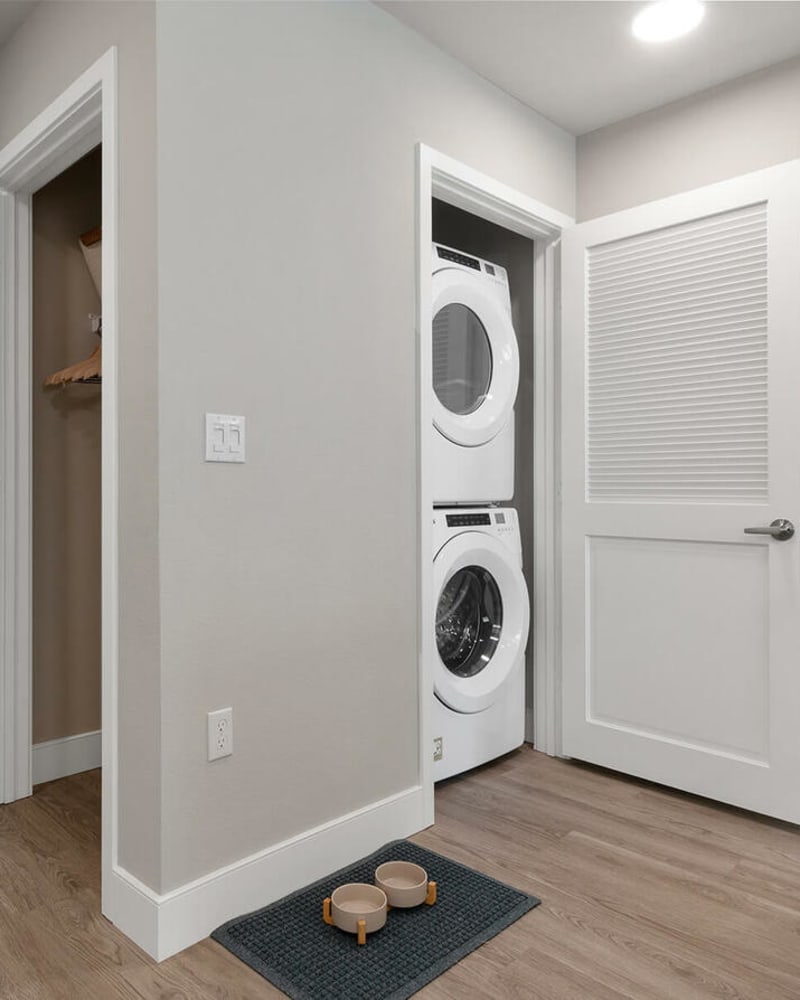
[(647, 894)]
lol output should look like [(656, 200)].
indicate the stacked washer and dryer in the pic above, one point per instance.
[(481, 600)]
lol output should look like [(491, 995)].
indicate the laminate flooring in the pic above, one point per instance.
[(648, 894)]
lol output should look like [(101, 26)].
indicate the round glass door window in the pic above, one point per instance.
[(462, 359), (469, 619)]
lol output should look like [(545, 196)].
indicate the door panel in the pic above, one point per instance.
[(651, 595), (680, 421)]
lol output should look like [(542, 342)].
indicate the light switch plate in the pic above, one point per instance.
[(224, 438)]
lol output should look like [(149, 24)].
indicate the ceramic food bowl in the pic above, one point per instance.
[(357, 908), (405, 884)]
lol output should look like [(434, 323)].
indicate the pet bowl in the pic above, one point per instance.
[(405, 884), (357, 908)]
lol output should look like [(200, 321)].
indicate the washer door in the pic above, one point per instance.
[(475, 359), (481, 620)]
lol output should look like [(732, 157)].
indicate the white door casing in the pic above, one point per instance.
[(441, 176), (680, 420), (77, 120)]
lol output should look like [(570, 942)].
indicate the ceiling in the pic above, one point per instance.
[(578, 64), (12, 14)]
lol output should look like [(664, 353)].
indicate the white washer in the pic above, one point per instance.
[(481, 620), (475, 379)]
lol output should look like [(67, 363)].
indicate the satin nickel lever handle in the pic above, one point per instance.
[(780, 529)]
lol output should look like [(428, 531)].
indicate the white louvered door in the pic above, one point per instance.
[(681, 428)]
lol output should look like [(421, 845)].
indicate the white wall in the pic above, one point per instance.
[(53, 47), (286, 138), (733, 129)]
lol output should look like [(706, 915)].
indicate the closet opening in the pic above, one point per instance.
[(66, 409), (483, 277), (519, 237)]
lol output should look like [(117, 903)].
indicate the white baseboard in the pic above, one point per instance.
[(132, 907), (163, 924), (69, 755)]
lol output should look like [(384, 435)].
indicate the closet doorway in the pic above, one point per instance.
[(445, 189), (78, 121), (66, 408)]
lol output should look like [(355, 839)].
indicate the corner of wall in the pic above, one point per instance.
[(166, 923)]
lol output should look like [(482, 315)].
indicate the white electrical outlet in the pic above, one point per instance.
[(438, 748), (220, 733)]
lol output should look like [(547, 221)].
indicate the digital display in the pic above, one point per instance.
[(458, 258), (467, 520)]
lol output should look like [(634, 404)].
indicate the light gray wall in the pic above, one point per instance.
[(286, 147), (733, 129), (57, 43)]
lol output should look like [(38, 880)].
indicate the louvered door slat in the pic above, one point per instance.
[(636, 265), (690, 234), (676, 367), (661, 319), (644, 355), (732, 262)]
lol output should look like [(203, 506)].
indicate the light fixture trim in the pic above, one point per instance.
[(667, 19)]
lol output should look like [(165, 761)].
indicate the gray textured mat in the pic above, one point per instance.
[(288, 943)]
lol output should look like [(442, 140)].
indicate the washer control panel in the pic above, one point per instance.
[(499, 522), (465, 520)]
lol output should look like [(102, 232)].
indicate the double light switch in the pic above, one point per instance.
[(224, 438)]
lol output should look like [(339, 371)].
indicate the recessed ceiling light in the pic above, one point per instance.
[(659, 22)]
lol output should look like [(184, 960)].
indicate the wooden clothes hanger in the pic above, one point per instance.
[(90, 370)]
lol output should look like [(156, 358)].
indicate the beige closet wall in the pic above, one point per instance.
[(66, 462)]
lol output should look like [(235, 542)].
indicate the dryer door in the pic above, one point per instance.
[(481, 620), (475, 358)]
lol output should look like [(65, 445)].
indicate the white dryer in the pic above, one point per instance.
[(481, 620), (475, 379)]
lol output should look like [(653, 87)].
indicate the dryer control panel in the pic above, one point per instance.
[(465, 260), (458, 258)]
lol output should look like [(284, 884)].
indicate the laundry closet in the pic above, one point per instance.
[(66, 472), (483, 701)]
